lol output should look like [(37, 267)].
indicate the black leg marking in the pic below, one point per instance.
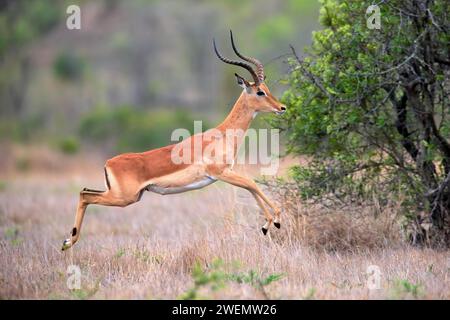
[(140, 194), (74, 232), (264, 230), (92, 190), (277, 224), (107, 180)]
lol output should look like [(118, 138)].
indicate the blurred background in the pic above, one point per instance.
[(137, 70), (134, 72)]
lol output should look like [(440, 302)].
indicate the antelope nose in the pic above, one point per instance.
[(282, 110)]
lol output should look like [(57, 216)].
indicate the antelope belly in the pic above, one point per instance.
[(171, 190)]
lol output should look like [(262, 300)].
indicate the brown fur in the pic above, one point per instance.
[(128, 175)]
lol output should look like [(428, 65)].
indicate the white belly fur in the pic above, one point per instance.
[(171, 190)]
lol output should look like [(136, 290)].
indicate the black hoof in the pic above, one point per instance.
[(264, 231), (277, 224)]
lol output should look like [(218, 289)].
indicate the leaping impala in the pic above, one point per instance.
[(128, 175)]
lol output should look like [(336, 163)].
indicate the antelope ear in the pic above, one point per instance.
[(242, 82)]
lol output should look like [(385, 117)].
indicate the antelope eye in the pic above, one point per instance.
[(260, 93)]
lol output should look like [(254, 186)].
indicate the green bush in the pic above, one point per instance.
[(23, 21), (370, 108), (13, 235), (3, 185), (215, 278), (23, 164), (133, 130), (403, 289), (21, 130), (69, 145), (68, 66)]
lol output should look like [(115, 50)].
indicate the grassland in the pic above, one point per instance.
[(209, 241)]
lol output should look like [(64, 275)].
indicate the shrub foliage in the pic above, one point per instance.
[(371, 109)]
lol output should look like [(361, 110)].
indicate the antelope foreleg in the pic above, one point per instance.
[(235, 179)]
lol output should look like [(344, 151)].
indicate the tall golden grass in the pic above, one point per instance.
[(149, 250)]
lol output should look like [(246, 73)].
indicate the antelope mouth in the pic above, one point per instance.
[(280, 111)]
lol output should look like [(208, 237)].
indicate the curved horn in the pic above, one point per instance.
[(256, 62), (237, 63)]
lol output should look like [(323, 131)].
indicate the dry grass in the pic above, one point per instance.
[(148, 250), (332, 227)]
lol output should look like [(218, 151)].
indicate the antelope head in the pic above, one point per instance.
[(256, 94)]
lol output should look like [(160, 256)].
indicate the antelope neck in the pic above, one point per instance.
[(240, 116)]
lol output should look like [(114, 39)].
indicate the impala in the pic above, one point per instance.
[(128, 175)]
